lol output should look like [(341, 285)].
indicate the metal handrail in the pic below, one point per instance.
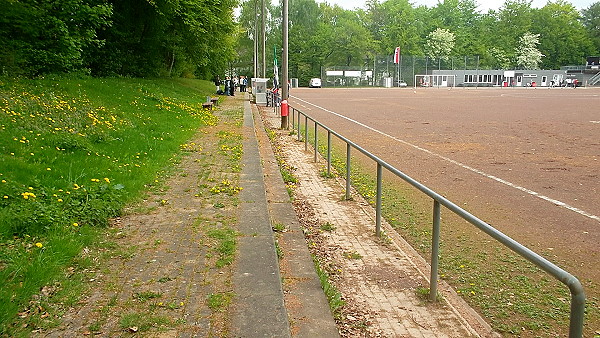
[(273, 98), (574, 285)]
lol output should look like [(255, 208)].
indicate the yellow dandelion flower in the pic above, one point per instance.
[(106, 180), (26, 195), (75, 224), (39, 245), (60, 200)]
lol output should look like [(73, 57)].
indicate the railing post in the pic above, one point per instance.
[(328, 153), (305, 133), (299, 124), (348, 171), (435, 251), (378, 201), (293, 118), (577, 308), (316, 141)]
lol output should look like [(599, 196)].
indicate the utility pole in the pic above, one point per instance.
[(284, 63), (263, 40), (255, 40)]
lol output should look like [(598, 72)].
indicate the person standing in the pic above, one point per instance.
[(242, 83), (227, 84), (229, 87), (218, 83)]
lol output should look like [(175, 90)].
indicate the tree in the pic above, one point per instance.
[(500, 57), (439, 44), (306, 42), (591, 21), (42, 36), (170, 37), (563, 38), (528, 56), (350, 42), (394, 24), (514, 19)]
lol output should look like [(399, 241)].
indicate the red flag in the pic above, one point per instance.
[(397, 55)]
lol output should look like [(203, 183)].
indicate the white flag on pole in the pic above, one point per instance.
[(397, 55)]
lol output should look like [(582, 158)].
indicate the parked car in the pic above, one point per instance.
[(314, 83)]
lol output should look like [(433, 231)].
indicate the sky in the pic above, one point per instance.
[(484, 5)]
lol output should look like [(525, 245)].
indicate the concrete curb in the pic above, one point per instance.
[(261, 307), (307, 305)]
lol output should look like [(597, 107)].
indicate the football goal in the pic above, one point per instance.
[(435, 80)]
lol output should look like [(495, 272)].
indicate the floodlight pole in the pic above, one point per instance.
[(284, 62)]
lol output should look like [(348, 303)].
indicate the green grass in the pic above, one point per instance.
[(147, 295), (279, 227), (140, 322), (226, 245), (230, 147), (328, 227), (352, 255), (219, 301), (334, 297), (72, 153)]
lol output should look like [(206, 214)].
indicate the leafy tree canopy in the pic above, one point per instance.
[(124, 37)]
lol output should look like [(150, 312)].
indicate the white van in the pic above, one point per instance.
[(314, 83)]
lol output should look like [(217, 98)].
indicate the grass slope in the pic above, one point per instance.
[(72, 153)]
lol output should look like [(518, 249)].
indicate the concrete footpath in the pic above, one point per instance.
[(260, 309), (382, 284)]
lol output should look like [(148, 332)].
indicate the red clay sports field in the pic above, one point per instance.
[(525, 160)]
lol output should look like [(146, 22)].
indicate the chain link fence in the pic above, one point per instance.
[(383, 72)]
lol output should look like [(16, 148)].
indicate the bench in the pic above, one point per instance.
[(214, 101), (207, 105)]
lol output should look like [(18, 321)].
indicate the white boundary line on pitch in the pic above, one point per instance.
[(482, 173)]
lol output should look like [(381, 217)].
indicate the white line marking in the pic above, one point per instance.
[(482, 173)]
